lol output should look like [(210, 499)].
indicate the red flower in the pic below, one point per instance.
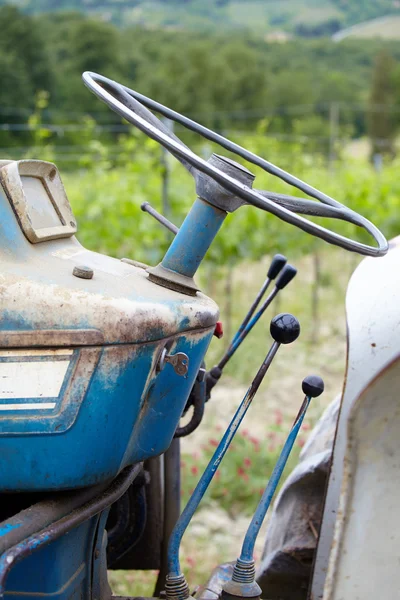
[(245, 433), (194, 470), (278, 417), (301, 442), (247, 462), (213, 442), (190, 561), (306, 426), (240, 471)]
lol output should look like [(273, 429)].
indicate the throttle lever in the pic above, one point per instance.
[(213, 376), (287, 274)]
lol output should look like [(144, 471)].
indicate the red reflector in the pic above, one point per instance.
[(219, 330)]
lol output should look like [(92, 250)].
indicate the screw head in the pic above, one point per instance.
[(313, 386), (83, 272), (285, 328)]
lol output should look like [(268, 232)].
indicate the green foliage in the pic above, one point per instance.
[(381, 122), (223, 82), (305, 17), (242, 476)]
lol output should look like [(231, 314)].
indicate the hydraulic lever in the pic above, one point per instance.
[(213, 376), (276, 266), (243, 584), (284, 329)]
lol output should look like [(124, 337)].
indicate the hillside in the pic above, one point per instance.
[(309, 18), (383, 27)]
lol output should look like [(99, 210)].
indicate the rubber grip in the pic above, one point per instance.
[(276, 266), (285, 277)]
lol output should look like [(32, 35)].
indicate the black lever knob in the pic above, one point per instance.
[(276, 266), (285, 328), (285, 277), (313, 386)]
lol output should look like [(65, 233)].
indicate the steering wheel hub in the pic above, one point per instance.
[(216, 194)]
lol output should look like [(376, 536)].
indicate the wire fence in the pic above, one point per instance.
[(335, 133)]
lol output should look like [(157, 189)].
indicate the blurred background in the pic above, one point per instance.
[(312, 85)]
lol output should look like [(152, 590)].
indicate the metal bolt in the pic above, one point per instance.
[(83, 272)]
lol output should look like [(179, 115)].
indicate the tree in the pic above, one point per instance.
[(380, 119)]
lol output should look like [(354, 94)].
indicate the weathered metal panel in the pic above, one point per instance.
[(372, 306), (365, 554)]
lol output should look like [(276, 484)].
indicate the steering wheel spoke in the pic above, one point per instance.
[(134, 107)]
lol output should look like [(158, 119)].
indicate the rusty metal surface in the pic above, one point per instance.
[(40, 514), (38, 292), (119, 301), (51, 338), (65, 524)]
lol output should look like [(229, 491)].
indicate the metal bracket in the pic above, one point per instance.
[(179, 362)]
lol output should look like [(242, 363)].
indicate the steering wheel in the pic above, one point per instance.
[(134, 107)]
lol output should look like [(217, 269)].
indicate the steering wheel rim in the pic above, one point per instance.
[(153, 128)]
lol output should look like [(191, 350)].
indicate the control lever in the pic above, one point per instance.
[(284, 329), (243, 584), (146, 207), (276, 266), (212, 377)]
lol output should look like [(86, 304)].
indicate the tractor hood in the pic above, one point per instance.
[(55, 292)]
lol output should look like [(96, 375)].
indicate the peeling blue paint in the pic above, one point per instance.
[(8, 527)]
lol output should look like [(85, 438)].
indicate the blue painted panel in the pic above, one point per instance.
[(60, 571), (124, 417)]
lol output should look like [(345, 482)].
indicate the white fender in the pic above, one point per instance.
[(373, 321)]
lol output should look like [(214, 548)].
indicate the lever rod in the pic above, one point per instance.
[(284, 329), (146, 207), (285, 277), (276, 266), (243, 582), (313, 387)]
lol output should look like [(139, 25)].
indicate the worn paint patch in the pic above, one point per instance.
[(5, 529)]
